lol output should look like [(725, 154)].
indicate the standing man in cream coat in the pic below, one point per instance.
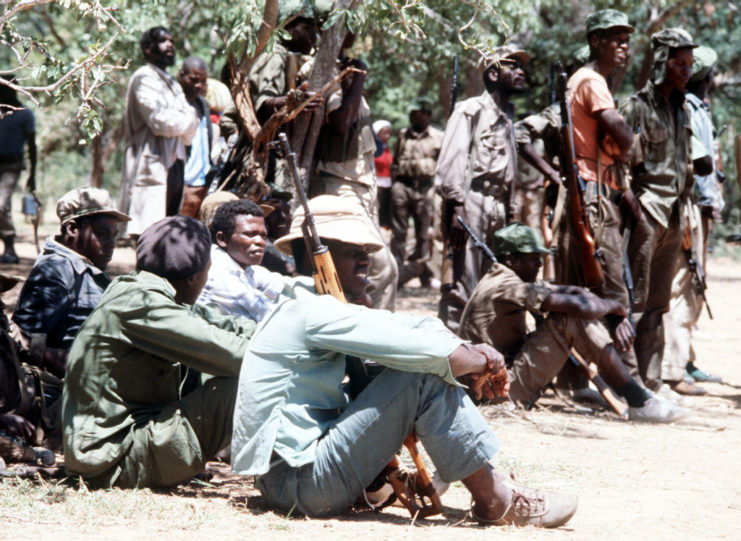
[(158, 125)]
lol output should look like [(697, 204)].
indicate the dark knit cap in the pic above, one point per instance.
[(174, 248)]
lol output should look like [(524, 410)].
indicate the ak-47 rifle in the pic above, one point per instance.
[(618, 407), (327, 282), (575, 186), (628, 275), (693, 261), (447, 279)]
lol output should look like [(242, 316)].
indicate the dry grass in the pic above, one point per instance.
[(634, 481)]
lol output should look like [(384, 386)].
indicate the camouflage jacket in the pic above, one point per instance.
[(662, 164)]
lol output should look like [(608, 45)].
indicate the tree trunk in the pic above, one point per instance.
[(98, 167), (240, 70), (102, 148)]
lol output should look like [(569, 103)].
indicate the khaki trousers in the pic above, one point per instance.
[(8, 182), (547, 349), (685, 309), (654, 253), (485, 216)]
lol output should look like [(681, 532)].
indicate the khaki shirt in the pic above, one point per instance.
[(496, 313), (351, 157), (662, 148), (416, 153), (545, 126), (267, 78), (479, 144), (541, 130), (124, 366)]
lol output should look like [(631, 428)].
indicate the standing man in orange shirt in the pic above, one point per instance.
[(602, 139)]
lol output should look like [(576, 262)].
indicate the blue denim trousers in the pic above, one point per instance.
[(368, 434)]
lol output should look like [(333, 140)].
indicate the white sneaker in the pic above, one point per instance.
[(657, 411)]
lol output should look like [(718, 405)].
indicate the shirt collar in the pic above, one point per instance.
[(79, 262)]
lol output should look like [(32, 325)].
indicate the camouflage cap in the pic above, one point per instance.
[(290, 9), (663, 42), (675, 38), (518, 238), (505, 52), (86, 202), (605, 19), (420, 103), (704, 60)]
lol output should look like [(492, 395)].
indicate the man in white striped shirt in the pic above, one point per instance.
[(236, 281)]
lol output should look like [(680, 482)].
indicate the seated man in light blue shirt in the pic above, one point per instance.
[(313, 450), (236, 282)]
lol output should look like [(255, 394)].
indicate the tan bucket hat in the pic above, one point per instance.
[(336, 218)]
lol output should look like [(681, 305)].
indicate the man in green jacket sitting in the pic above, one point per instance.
[(127, 420)]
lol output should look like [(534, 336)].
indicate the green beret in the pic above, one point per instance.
[(704, 60), (676, 38), (173, 248), (421, 103), (605, 19), (518, 238)]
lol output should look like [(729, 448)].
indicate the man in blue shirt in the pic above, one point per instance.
[(68, 279), (313, 450), (193, 78)]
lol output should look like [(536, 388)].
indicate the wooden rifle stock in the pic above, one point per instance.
[(327, 282), (615, 403), (590, 265)]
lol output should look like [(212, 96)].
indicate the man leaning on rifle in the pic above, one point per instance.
[(569, 318), (602, 140)]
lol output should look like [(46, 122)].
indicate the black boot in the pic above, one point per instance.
[(9, 256)]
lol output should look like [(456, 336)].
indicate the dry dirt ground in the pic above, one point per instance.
[(634, 481)]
